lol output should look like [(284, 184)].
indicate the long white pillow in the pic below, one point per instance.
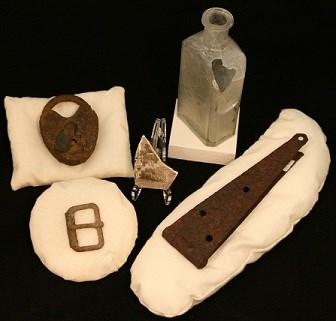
[(33, 164), (169, 285)]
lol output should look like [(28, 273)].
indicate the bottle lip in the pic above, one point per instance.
[(217, 19)]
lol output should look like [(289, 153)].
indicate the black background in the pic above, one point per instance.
[(49, 48)]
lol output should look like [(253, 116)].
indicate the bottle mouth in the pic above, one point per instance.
[(217, 19)]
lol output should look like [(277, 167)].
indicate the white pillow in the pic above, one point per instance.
[(169, 285), (34, 165)]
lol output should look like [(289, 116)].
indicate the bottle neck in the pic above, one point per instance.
[(216, 22), (214, 39)]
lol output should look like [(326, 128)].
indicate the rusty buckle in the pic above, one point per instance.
[(72, 227)]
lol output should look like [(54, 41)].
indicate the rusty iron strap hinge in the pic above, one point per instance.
[(201, 231)]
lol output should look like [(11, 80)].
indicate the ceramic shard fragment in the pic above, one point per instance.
[(149, 170)]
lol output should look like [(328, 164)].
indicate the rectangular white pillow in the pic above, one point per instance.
[(34, 165)]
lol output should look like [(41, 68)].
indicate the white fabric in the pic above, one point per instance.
[(49, 235), (169, 285), (34, 165)]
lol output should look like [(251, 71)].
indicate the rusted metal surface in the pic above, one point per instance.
[(201, 231), (72, 227), (71, 140)]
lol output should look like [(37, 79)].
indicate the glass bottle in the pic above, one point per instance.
[(211, 80)]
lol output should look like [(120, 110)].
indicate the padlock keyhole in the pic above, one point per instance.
[(66, 138)]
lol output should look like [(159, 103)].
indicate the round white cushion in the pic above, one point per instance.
[(48, 229)]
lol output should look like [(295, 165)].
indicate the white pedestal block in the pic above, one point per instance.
[(184, 144)]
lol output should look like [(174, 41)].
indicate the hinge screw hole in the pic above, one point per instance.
[(209, 238), (202, 212)]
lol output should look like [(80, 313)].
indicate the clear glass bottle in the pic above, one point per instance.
[(211, 80)]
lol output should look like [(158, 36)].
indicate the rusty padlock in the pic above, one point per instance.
[(71, 140)]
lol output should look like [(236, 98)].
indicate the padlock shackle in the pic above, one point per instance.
[(66, 98)]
